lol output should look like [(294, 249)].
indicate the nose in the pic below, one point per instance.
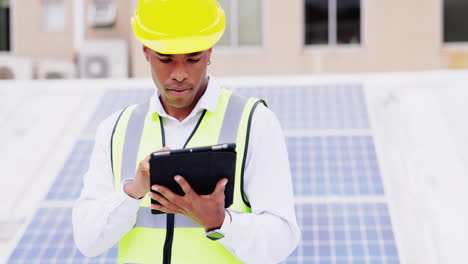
[(179, 73)]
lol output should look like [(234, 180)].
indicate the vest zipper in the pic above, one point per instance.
[(167, 253), (169, 238)]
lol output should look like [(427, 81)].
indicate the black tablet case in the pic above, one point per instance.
[(202, 170)]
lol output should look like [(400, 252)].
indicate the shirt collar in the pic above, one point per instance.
[(208, 101)]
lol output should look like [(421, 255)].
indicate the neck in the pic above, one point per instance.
[(182, 113)]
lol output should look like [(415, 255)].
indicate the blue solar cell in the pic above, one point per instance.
[(308, 251), (69, 182), (351, 241), (341, 250), (314, 107), (339, 235), (371, 235), (324, 250), (308, 234), (354, 220), (387, 234), (355, 235), (339, 221), (53, 244), (334, 165), (324, 236), (390, 249), (374, 250)]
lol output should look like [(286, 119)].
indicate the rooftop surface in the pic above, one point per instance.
[(379, 162)]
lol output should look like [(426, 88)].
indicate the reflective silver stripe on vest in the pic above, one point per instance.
[(132, 141), (232, 118), (228, 134), (146, 219)]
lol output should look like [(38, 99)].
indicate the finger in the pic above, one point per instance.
[(184, 185), (144, 165), (164, 149), (168, 194), (221, 186), (162, 209), (163, 201)]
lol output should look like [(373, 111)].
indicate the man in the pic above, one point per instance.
[(189, 109)]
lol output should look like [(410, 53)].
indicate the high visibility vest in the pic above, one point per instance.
[(169, 238)]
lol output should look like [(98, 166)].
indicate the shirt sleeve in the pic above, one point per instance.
[(102, 215), (270, 233)]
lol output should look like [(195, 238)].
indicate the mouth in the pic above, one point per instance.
[(179, 92)]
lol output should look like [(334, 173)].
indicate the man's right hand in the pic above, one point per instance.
[(140, 185)]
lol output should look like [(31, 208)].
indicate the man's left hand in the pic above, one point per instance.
[(206, 210)]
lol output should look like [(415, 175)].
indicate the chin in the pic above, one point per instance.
[(180, 105)]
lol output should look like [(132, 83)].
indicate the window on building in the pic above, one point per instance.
[(5, 25), (455, 20), (331, 22), (243, 23), (53, 15)]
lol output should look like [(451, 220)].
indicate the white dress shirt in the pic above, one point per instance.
[(102, 215)]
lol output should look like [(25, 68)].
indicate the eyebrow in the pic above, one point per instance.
[(193, 54)]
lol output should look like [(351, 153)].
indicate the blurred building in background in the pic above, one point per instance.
[(93, 38)]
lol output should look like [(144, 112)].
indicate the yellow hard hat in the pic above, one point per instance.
[(178, 26)]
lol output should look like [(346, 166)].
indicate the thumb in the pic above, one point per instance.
[(221, 185)]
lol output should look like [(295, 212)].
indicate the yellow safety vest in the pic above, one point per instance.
[(168, 238)]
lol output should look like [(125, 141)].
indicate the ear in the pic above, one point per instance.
[(210, 50), (145, 52)]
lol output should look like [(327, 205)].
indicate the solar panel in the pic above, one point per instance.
[(314, 107), (334, 165), (115, 100), (68, 184), (49, 239), (339, 233)]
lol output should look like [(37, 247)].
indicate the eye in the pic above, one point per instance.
[(164, 60), (193, 60)]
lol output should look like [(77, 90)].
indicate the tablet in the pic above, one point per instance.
[(202, 167)]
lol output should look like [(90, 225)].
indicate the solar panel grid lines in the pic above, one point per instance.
[(365, 243), (353, 100), (324, 150), (335, 251), (328, 109), (379, 236), (345, 233), (353, 165), (298, 164), (27, 248), (49, 239), (363, 177), (314, 106), (342, 179), (69, 182), (333, 165)]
